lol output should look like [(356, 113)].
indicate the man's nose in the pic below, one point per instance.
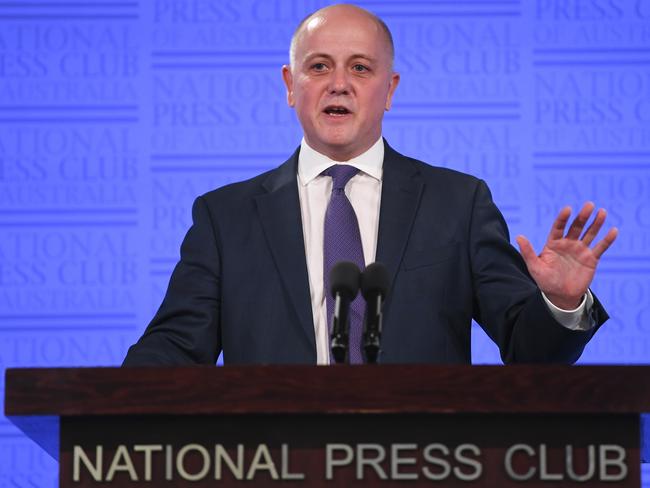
[(339, 81)]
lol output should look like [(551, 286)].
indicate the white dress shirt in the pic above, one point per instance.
[(364, 193)]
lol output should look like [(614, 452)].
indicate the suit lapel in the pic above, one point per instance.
[(400, 198), (279, 211)]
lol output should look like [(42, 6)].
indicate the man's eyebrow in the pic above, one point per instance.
[(363, 56), (317, 55), (311, 56)]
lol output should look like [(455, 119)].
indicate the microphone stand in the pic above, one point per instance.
[(340, 329), (372, 329)]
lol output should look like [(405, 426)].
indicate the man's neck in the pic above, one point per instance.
[(311, 163), (341, 156)]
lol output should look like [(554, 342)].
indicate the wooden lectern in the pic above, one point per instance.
[(451, 426)]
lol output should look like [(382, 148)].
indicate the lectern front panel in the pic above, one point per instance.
[(465, 450)]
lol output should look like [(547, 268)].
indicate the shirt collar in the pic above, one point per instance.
[(311, 163)]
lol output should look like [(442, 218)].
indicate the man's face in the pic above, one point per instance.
[(341, 82)]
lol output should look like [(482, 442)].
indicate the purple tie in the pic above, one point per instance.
[(342, 242)]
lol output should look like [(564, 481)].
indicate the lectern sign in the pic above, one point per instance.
[(344, 426), (343, 450)]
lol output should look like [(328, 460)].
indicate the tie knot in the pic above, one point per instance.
[(341, 174)]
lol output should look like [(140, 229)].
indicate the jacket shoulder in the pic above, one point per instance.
[(441, 177), (237, 190), (246, 190)]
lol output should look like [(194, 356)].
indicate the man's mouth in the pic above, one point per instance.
[(336, 110)]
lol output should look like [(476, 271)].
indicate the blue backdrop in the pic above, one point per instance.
[(115, 115)]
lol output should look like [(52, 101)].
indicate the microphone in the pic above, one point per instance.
[(344, 286), (375, 282)]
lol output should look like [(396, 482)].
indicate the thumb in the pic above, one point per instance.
[(526, 250)]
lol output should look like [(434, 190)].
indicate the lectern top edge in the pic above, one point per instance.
[(337, 390)]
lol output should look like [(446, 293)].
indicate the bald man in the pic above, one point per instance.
[(250, 281)]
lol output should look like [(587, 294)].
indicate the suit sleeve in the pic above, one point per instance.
[(508, 304), (186, 328)]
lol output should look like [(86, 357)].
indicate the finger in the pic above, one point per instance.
[(557, 230), (593, 230), (607, 241), (527, 251), (579, 222)]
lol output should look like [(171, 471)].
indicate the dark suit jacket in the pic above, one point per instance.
[(241, 285)]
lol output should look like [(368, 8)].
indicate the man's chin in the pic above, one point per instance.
[(340, 144), (341, 150)]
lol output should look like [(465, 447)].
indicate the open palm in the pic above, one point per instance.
[(567, 264)]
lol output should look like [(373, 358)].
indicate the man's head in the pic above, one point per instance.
[(340, 79)]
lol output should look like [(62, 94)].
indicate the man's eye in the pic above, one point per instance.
[(360, 68), (318, 66)]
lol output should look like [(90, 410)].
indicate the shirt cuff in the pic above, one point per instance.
[(576, 319)]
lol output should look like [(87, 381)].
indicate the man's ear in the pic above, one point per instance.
[(287, 76), (394, 81)]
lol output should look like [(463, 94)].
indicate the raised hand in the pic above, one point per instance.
[(567, 264)]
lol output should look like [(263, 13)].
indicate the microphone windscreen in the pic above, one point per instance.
[(375, 280), (344, 279)]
